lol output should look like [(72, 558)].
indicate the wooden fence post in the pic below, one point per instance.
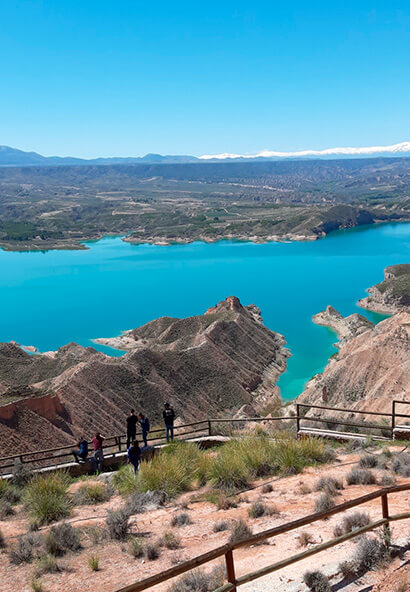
[(230, 568), (209, 428), (297, 419), (385, 506), (393, 418)]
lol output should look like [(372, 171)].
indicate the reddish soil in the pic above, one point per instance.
[(118, 568)]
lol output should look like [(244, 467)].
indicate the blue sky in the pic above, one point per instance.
[(102, 78)]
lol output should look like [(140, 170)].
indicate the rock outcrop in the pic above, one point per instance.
[(202, 365), (369, 371), (345, 327), (393, 294)]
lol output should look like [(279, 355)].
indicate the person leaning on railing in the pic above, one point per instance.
[(81, 453)]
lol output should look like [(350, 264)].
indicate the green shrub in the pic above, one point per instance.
[(181, 520), (62, 538), (117, 523), (167, 472), (36, 585), (315, 451), (4, 486), (11, 495), (239, 531), (125, 481), (136, 548), (228, 471), (46, 497), (317, 581), (92, 493), (361, 477), (6, 509), (94, 562)]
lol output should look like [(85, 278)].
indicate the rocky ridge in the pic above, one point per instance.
[(345, 327), (203, 365), (370, 369), (393, 294)]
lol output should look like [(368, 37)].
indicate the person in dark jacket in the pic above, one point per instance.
[(169, 416), (81, 453), (145, 427), (132, 421), (134, 455)]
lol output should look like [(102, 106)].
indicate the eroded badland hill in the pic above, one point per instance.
[(202, 365)]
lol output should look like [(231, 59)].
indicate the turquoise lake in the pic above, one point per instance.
[(51, 298)]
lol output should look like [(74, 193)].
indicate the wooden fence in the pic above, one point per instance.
[(226, 551), (116, 445)]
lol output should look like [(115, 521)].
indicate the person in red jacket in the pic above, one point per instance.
[(98, 452)]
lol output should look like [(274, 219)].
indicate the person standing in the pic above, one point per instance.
[(98, 452), (145, 427), (169, 415), (132, 421), (81, 453), (134, 455)]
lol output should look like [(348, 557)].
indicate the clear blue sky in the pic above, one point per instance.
[(103, 77)]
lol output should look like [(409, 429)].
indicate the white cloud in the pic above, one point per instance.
[(393, 149)]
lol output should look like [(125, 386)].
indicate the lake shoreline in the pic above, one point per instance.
[(75, 296), (81, 244)]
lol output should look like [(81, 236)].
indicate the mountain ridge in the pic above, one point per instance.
[(10, 156)]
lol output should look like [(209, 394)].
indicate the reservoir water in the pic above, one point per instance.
[(48, 299)]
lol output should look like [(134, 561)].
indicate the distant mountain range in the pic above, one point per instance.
[(14, 157)]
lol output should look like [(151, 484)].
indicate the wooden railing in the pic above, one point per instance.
[(116, 445), (226, 551), (349, 424)]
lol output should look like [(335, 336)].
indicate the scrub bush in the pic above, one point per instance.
[(46, 497), (351, 522), (324, 502), (361, 477), (239, 531), (317, 581), (117, 523), (199, 581), (62, 538), (181, 520), (92, 493)]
